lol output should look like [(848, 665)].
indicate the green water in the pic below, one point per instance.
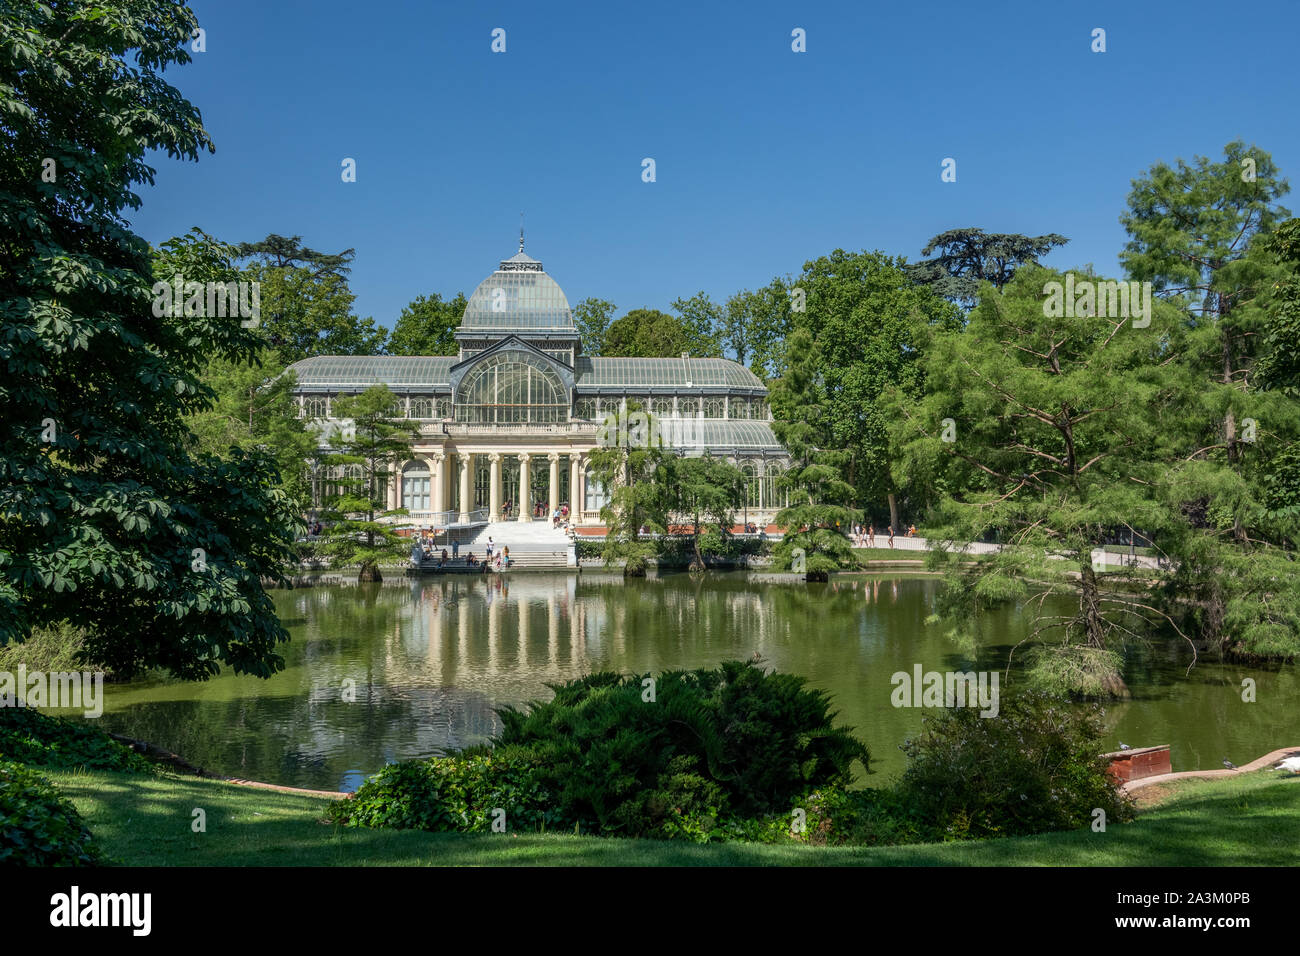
[(429, 659)]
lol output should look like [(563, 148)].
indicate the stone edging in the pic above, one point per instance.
[(1260, 764)]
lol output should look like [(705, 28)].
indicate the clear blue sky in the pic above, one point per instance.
[(765, 157)]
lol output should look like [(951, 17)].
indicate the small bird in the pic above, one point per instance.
[(1229, 764), (1124, 746), (1291, 764)]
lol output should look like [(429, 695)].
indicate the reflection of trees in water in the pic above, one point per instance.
[(432, 657)]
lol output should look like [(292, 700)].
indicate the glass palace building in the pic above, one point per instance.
[(512, 419)]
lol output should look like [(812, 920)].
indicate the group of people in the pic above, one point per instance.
[(865, 537), (424, 550)]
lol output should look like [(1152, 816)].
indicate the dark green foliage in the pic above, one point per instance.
[(762, 738), (1035, 767), (105, 515), (968, 257), (38, 827), (427, 326), (712, 750), (30, 737)]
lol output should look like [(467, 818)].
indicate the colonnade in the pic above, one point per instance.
[(448, 466)]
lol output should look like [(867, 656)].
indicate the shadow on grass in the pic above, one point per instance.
[(140, 820)]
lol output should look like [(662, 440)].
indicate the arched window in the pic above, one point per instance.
[(752, 497), (512, 387), (586, 408), (315, 406), (739, 408), (444, 408), (774, 495), (421, 408), (596, 496), (688, 407), (415, 486), (661, 407), (714, 408)]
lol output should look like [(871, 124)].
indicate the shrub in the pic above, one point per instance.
[(759, 739), (38, 827), (1035, 767), (30, 737), (458, 792), (712, 748), (59, 647)]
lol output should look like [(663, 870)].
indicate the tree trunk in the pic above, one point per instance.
[(698, 563), (369, 573), (1090, 607), (893, 514)]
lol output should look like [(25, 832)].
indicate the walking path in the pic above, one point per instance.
[(1265, 761)]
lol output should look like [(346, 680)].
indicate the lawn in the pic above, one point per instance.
[(141, 820)]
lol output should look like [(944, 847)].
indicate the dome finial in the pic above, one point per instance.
[(521, 232)]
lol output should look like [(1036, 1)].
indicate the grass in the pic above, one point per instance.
[(140, 820)]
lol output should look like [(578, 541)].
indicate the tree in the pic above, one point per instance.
[(105, 515), (816, 522), (707, 491), (428, 326), (968, 257), (702, 319), (1191, 228), (1279, 364), (1067, 424), (870, 323), (633, 466), (593, 318), (647, 332), (755, 325), (306, 302), (252, 405), (1201, 234), (369, 446)]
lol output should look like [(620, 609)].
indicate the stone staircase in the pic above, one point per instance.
[(532, 544)]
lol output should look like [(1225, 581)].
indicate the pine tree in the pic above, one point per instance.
[(817, 520), (369, 447)]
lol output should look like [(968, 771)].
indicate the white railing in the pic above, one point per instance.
[(510, 428)]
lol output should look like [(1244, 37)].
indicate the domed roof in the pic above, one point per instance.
[(518, 297)]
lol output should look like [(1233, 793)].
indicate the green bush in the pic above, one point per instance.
[(714, 748), (38, 827), (458, 792), (1035, 767), (761, 739), (59, 647), (30, 737)]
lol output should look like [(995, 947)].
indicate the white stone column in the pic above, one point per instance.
[(466, 501), (525, 506), (494, 504), (554, 459), (574, 505), (437, 482), (580, 505)]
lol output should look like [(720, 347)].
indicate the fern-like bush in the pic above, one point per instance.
[(686, 756)]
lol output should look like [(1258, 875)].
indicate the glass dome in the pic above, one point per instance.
[(519, 296)]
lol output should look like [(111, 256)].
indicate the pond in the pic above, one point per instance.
[(425, 661)]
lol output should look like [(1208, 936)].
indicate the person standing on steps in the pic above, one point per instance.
[(455, 550), (489, 549)]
